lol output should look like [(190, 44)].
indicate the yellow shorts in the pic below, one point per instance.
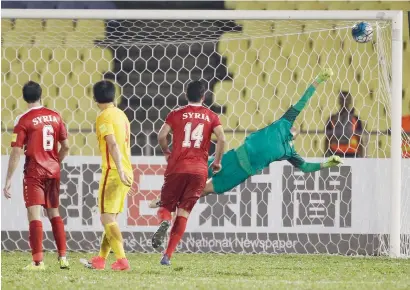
[(112, 192)]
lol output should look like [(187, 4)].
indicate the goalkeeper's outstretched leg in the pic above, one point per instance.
[(264, 147)]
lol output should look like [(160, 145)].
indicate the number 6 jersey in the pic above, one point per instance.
[(192, 127), (38, 131)]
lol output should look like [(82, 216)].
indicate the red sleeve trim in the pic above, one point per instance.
[(216, 122), (107, 153), (14, 144), (169, 119)]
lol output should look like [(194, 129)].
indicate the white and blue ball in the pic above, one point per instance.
[(362, 32)]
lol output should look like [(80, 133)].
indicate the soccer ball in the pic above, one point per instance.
[(362, 32)]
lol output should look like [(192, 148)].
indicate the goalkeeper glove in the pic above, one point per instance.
[(332, 161), (324, 75)]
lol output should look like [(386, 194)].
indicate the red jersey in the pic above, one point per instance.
[(192, 127), (38, 131)]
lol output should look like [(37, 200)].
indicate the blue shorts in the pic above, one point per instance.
[(231, 175)]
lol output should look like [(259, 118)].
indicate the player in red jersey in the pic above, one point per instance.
[(186, 173), (38, 132)]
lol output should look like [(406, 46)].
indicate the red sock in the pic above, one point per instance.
[(57, 225), (164, 214), (177, 231), (36, 240)]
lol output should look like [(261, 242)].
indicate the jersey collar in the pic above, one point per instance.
[(19, 116), (102, 111), (195, 105), (34, 108)]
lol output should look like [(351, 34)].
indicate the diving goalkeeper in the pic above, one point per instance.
[(270, 144)]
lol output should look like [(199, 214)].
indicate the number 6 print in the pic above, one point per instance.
[(48, 138)]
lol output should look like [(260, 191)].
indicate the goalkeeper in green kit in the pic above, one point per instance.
[(270, 144)]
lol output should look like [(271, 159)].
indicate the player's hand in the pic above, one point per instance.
[(125, 179), (216, 167), (333, 161), (6, 190), (324, 75)]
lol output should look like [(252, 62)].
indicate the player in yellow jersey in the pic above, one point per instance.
[(113, 133)]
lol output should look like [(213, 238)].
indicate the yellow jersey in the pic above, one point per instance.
[(113, 121)]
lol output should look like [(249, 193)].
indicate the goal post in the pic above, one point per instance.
[(393, 89), (396, 87)]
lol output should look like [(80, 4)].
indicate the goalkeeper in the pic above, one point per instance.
[(270, 144)]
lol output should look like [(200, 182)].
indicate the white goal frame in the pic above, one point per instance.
[(396, 17)]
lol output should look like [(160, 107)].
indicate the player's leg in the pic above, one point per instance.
[(35, 237), (177, 231), (209, 188), (174, 185), (111, 196), (98, 262), (34, 199), (57, 226), (229, 177), (194, 187), (52, 198), (111, 204), (114, 237), (105, 247)]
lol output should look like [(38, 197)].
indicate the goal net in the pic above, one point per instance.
[(254, 70)]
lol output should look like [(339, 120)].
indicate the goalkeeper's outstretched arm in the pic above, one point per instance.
[(295, 110), (305, 167)]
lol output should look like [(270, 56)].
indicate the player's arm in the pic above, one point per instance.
[(17, 144), (13, 163), (64, 149), (165, 130), (64, 146), (305, 167), (220, 147), (295, 110), (163, 139), (116, 156)]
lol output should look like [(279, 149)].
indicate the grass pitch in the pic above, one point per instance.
[(211, 271)]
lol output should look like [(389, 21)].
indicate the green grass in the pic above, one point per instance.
[(211, 271)]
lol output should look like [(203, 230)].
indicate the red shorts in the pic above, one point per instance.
[(41, 191), (182, 190)]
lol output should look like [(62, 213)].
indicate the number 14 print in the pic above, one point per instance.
[(196, 135)]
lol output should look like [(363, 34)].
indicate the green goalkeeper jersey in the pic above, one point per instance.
[(272, 143), (275, 142)]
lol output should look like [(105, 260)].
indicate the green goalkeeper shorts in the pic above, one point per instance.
[(231, 175)]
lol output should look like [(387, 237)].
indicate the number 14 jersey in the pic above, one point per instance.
[(38, 131), (192, 127)]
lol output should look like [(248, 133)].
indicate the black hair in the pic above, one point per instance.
[(32, 92), (195, 91), (104, 92)]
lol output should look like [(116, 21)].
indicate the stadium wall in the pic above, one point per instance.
[(341, 210)]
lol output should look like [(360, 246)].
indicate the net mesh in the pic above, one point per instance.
[(254, 70)]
